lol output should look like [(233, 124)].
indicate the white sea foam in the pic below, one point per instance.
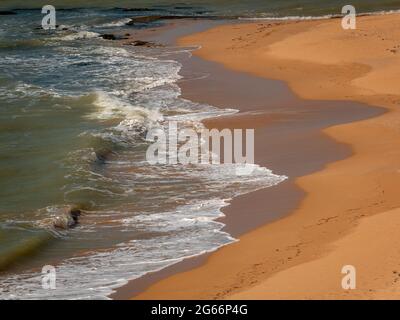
[(272, 17), (289, 18), (113, 24), (79, 36), (21, 90), (188, 231), (131, 259), (111, 107)]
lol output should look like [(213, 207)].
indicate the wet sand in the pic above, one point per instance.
[(289, 140)]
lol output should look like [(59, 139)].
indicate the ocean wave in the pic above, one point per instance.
[(290, 18), (79, 35), (20, 90), (187, 231), (20, 44), (131, 259), (23, 247), (111, 107), (381, 12), (113, 24), (273, 17)]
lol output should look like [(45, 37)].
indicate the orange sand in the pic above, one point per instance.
[(350, 214)]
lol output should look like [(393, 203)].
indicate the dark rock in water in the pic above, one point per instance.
[(83, 64), (102, 155), (68, 220), (143, 19), (148, 19), (137, 9), (138, 43), (7, 13), (109, 36), (75, 214), (41, 28), (183, 8)]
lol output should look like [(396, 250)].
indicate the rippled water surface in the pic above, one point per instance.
[(243, 8)]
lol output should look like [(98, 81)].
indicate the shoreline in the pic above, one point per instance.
[(324, 103), (280, 200), (305, 254)]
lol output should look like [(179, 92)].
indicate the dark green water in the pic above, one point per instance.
[(249, 8)]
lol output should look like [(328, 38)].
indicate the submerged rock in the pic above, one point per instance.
[(102, 155), (67, 220), (140, 43), (143, 19), (137, 9), (153, 18), (184, 8), (41, 28), (109, 36), (148, 19), (7, 13)]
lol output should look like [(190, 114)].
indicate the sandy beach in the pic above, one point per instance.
[(347, 213)]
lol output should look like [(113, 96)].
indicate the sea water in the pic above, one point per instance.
[(74, 110)]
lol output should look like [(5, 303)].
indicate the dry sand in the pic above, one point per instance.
[(350, 215)]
